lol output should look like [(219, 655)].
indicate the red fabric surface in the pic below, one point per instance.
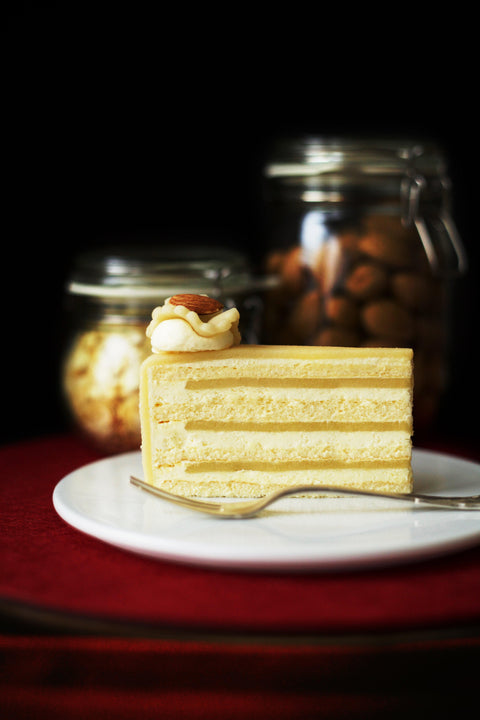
[(116, 679), (47, 564)]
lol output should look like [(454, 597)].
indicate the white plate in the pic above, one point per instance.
[(294, 534)]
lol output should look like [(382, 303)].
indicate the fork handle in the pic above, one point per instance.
[(459, 502), (462, 503)]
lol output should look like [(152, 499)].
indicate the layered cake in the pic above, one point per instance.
[(220, 419)]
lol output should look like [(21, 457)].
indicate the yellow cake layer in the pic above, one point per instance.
[(176, 442), (254, 483), (244, 421), (270, 361), (269, 403)]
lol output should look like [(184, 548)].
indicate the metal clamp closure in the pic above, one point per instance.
[(411, 189)]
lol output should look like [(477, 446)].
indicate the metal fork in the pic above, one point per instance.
[(249, 508)]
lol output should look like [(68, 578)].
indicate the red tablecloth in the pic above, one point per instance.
[(173, 641), (119, 679), (49, 566)]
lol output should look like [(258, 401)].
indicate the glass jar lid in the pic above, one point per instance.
[(146, 273), (316, 156), (315, 169)]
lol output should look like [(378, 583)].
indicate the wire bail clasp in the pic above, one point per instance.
[(412, 188)]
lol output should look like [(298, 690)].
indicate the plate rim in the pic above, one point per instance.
[(179, 551)]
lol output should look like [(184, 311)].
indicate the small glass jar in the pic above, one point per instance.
[(362, 241), (109, 301)]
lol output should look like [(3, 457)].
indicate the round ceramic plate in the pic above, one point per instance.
[(293, 534)]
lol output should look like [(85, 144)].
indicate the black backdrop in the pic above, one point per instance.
[(120, 122)]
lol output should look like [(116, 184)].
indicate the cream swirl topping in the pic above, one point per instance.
[(176, 328)]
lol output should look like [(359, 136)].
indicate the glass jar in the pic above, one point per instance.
[(365, 249), (110, 297)]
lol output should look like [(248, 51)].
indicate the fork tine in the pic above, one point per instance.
[(177, 499)]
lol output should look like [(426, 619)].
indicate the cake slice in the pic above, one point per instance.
[(242, 421)]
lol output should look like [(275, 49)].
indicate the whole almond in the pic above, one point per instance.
[(392, 251), (201, 304), (305, 316), (337, 337), (414, 291), (342, 311), (292, 273), (386, 318), (367, 281)]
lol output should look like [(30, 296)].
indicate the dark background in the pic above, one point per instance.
[(119, 122)]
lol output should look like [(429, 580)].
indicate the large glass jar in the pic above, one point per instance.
[(110, 297), (361, 238)]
